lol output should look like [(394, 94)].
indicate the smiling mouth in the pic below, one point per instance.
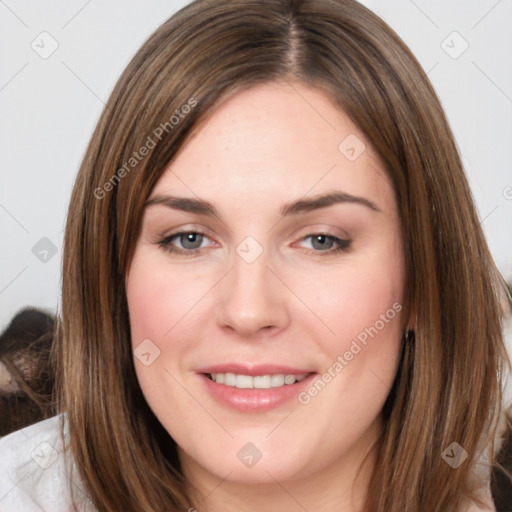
[(256, 382)]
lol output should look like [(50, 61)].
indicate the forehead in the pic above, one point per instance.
[(277, 141)]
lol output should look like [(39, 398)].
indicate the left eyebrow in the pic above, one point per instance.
[(202, 207), (324, 200)]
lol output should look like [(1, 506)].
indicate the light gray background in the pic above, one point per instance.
[(49, 108)]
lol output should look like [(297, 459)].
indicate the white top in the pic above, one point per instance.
[(35, 471)]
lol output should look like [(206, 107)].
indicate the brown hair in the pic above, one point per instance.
[(25, 347), (448, 384)]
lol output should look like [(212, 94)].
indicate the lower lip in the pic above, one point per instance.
[(254, 400)]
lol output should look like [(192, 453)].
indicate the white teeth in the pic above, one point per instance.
[(277, 380), (289, 379), (262, 381), (230, 379), (258, 382), (244, 381)]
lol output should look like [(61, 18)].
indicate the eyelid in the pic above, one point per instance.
[(326, 230), (341, 244), (309, 231), (181, 231), (188, 228)]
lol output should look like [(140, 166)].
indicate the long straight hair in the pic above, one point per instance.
[(448, 387)]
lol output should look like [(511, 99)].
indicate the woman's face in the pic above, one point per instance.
[(280, 282)]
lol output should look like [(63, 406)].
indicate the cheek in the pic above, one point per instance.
[(157, 298), (364, 290), (147, 304), (363, 310), (157, 301)]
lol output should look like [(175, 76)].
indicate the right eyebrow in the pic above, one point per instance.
[(186, 204)]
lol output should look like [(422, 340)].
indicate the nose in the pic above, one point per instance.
[(252, 300)]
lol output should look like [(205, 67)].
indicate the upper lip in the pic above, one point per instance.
[(253, 370)]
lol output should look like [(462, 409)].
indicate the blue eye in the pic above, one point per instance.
[(325, 242), (192, 242)]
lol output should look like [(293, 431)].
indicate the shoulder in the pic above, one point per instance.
[(34, 469)]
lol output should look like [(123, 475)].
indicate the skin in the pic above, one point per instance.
[(5, 379), (265, 147)]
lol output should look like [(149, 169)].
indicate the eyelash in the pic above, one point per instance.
[(165, 244)]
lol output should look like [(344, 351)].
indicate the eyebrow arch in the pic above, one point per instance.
[(324, 200), (202, 207), (186, 204)]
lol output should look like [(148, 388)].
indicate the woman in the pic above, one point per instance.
[(330, 338)]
